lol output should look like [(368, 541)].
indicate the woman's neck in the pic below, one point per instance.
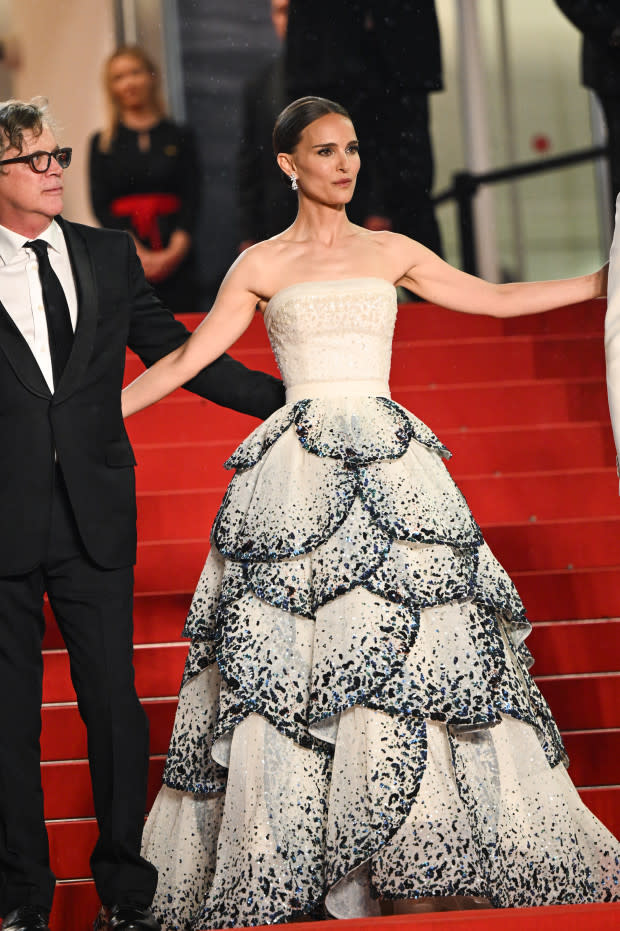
[(321, 223), (140, 119)]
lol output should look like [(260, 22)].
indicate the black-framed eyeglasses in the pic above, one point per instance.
[(41, 161)]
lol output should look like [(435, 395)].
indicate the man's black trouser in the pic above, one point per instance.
[(93, 608)]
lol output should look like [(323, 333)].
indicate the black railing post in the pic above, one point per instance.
[(465, 187)]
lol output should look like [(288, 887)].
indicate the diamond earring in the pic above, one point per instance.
[(293, 182)]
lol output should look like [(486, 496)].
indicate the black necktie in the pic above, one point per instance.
[(59, 327)]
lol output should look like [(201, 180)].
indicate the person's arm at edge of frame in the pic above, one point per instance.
[(154, 332), (612, 334)]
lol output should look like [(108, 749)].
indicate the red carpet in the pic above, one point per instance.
[(522, 405)]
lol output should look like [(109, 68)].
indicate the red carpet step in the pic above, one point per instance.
[(494, 500), (64, 738), (475, 359), (530, 545), (578, 701), (589, 752), (539, 447), (76, 901), (183, 418)]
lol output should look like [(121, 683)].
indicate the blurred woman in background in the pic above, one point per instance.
[(145, 177)]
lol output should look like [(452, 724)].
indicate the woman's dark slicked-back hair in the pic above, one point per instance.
[(299, 114)]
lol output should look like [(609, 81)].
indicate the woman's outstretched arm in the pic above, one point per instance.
[(436, 281), (229, 317)]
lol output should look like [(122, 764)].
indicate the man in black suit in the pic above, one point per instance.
[(72, 298), (599, 23), (381, 59)]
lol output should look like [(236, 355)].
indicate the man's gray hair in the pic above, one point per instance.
[(17, 117)]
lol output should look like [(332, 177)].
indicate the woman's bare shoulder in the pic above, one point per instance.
[(394, 252), (257, 268)]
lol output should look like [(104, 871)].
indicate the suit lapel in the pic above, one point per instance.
[(20, 356), (86, 288)]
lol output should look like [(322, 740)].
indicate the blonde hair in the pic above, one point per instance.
[(114, 113)]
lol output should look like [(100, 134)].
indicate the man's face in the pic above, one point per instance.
[(279, 17), (30, 200)]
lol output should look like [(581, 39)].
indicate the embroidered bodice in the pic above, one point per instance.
[(333, 337)]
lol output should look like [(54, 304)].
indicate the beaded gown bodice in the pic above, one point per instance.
[(333, 337)]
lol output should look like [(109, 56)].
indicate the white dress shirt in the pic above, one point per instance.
[(20, 289)]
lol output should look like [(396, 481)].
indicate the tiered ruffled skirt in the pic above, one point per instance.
[(356, 719)]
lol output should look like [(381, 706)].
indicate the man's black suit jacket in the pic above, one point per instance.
[(81, 422)]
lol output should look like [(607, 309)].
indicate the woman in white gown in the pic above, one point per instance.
[(357, 729)]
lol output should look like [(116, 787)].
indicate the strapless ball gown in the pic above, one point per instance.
[(356, 718)]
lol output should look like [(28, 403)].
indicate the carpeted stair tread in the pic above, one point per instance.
[(71, 843), (604, 802), (159, 670), (466, 359), (495, 500), (562, 544), (544, 544), (77, 900), (506, 404), (75, 906), (548, 594), (185, 418), (563, 647), (578, 703), (594, 759), (427, 320), (585, 317), (554, 594), (537, 447), (559, 647), (543, 447), (583, 701), (583, 745)]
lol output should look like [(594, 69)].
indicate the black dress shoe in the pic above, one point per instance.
[(125, 918), (27, 918)]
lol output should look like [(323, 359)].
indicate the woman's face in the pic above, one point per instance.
[(326, 160), (130, 82)]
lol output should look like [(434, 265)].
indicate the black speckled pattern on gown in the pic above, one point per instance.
[(356, 718)]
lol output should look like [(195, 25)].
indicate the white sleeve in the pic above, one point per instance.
[(612, 331)]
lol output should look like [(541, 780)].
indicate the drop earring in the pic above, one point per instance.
[(293, 182)]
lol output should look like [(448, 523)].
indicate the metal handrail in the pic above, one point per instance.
[(465, 184)]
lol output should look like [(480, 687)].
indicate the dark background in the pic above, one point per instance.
[(223, 44)]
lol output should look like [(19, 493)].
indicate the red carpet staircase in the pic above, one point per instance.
[(522, 406)]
